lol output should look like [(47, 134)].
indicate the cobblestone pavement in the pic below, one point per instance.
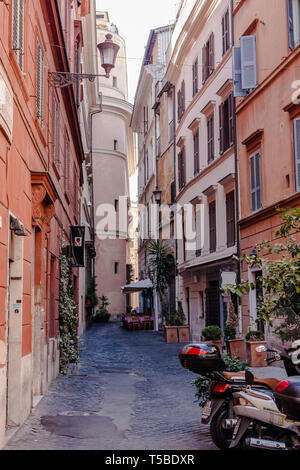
[(129, 393)]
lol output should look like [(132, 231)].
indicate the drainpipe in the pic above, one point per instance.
[(237, 202), (92, 184)]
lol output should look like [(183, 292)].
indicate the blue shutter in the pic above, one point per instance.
[(255, 181), (290, 20), (237, 72), (297, 152), (248, 62)]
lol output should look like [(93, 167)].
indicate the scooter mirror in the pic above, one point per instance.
[(261, 348)]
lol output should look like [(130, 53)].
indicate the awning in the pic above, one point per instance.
[(137, 286)]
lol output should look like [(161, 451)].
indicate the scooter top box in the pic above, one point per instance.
[(287, 397), (201, 358)]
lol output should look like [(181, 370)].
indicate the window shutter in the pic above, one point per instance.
[(231, 123), (183, 166), (178, 105), (227, 30), (40, 83), (255, 181), (221, 127), (248, 62), (18, 30), (55, 130), (237, 72), (211, 46), (290, 19), (212, 227), (196, 153), (223, 36), (182, 98), (204, 64), (297, 152), (230, 219)]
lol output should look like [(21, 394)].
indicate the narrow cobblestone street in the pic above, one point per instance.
[(129, 393)]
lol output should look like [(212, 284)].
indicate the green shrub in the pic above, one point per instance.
[(254, 335), (212, 332), (230, 332), (233, 364), (102, 314)]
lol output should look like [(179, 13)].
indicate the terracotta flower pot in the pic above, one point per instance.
[(171, 333), (254, 358), (217, 342), (236, 348), (183, 334)]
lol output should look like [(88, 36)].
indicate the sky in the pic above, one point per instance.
[(135, 19)]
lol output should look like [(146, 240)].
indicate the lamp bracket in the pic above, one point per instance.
[(64, 79)]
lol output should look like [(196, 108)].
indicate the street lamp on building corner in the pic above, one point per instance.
[(108, 53)]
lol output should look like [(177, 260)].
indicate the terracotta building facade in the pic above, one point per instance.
[(41, 158)]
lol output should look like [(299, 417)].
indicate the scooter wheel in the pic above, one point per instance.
[(220, 435)]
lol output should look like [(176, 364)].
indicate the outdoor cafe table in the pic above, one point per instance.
[(132, 322)]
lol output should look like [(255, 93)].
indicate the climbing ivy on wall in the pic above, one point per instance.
[(68, 341)]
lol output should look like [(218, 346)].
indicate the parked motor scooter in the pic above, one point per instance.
[(269, 420), (218, 410)]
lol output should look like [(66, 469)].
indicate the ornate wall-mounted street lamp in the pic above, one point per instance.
[(108, 53)]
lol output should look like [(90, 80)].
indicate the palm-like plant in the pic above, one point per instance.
[(161, 260)]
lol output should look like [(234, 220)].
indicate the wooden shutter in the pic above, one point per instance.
[(67, 162), (195, 77), (290, 20), (210, 138), (180, 170), (297, 152), (183, 166), (255, 181), (221, 127), (196, 153), (212, 227), (55, 130), (237, 72), (223, 36), (179, 105), (230, 219), (248, 62), (211, 52), (40, 83), (204, 63), (231, 122), (182, 98)]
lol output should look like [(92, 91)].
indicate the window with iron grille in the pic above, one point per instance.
[(255, 181), (18, 31), (195, 77), (196, 153), (226, 124), (208, 58), (230, 219), (212, 227), (181, 169), (55, 130), (225, 33), (40, 83), (210, 139)]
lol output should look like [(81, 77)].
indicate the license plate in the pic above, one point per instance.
[(206, 412)]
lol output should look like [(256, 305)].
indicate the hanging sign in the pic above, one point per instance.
[(77, 240)]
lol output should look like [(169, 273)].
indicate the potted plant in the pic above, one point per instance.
[(254, 358), (171, 331), (235, 346), (213, 334), (179, 320), (102, 314)]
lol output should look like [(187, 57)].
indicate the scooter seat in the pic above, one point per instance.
[(269, 382)]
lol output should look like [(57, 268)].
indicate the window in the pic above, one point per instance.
[(210, 139), (115, 144), (116, 268), (255, 181), (183, 234), (195, 77), (212, 227), (230, 219), (40, 83), (146, 120), (181, 101), (67, 162), (68, 22), (18, 31), (171, 117), (115, 82), (75, 193), (293, 17), (55, 130), (116, 205), (196, 153), (181, 169), (226, 124), (208, 58), (225, 33), (297, 152)]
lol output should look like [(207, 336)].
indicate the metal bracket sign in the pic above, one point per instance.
[(77, 242)]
